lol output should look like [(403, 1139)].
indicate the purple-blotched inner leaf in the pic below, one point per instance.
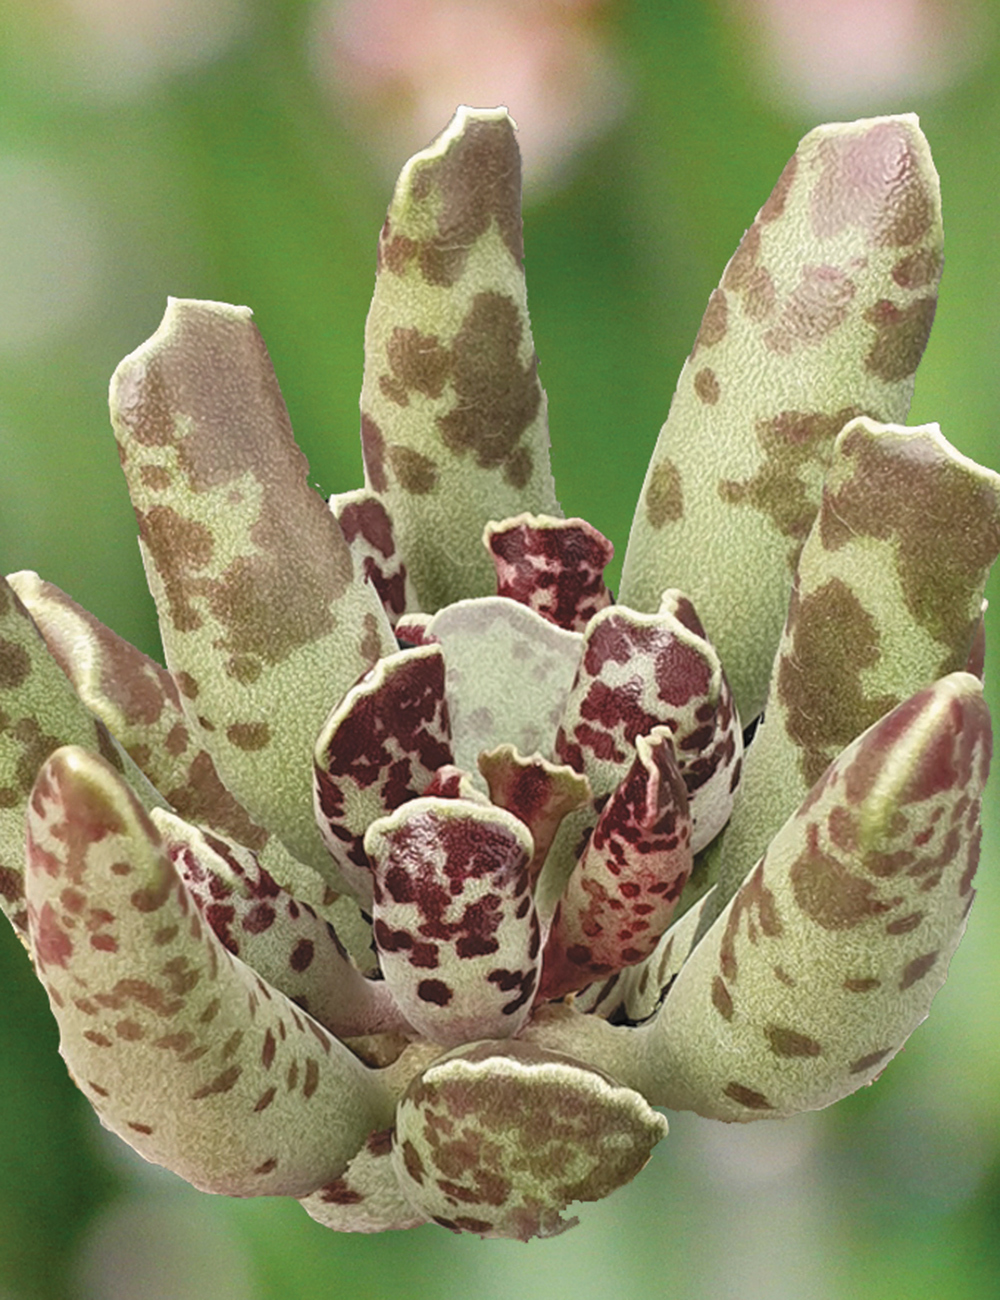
[(367, 1197), (279, 936), (540, 793), (620, 897), (454, 920), (641, 671), (180, 1047), (556, 566), (380, 746)]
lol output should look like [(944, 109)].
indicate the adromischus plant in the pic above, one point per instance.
[(426, 870)]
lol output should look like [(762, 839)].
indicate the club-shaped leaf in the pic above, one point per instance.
[(821, 315), (453, 424)]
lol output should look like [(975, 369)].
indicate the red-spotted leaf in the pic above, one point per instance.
[(282, 938), (455, 925), (367, 1197), (499, 1138), (641, 671), (379, 747), (367, 529), (620, 897), (554, 565), (181, 1048)]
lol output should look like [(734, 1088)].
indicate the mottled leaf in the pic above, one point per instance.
[(39, 711), (499, 1138), (453, 423), (888, 597), (454, 922), (264, 623), (554, 565), (367, 529), (821, 315), (623, 891), (538, 792), (280, 937), (379, 747), (830, 953), (181, 1049)]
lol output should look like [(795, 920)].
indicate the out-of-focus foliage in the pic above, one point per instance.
[(206, 158)]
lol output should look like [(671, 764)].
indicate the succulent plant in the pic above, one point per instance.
[(426, 870)]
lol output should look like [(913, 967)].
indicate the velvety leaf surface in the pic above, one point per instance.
[(623, 891), (554, 565), (499, 1138), (829, 955), (380, 746), (515, 692), (821, 315), (367, 1197), (181, 1049), (264, 623), (453, 423), (887, 598), (455, 925), (39, 711), (280, 937)]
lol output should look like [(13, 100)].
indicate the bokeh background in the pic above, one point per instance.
[(244, 150)]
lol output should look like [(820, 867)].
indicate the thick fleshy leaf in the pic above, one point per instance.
[(554, 565), (822, 315), (641, 671), (453, 423), (540, 793), (379, 747), (455, 926), (181, 1049), (620, 897), (283, 939), (499, 1138), (888, 597), (264, 623), (367, 1197), (367, 529), (509, 673), (829, 955), (39, 711)]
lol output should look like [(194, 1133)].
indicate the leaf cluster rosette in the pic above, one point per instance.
[(425, 869)]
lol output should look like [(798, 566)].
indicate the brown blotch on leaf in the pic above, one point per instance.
[(250, 736), (865, 1063), (829, 894), (721, 999), (901, 337), (714, 323), (793, 442), (373, 453), (15, 665), (897, 486), (917, 969), (775, 204), (664, 495), (918, 269), (416, 473), (706, 386), (476, 182), (833, 640), (156, 477), (789, 1042), (745, 1096), (496, 397), (418, 362)]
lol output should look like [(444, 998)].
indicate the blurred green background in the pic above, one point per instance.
[(243, 150)]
